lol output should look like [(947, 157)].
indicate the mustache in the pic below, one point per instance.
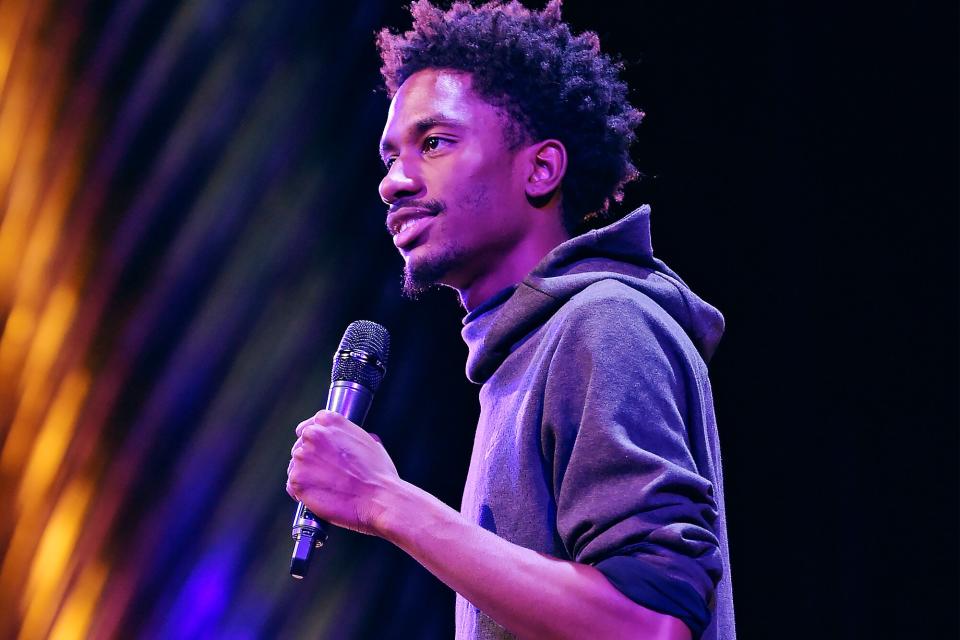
[(433, 207)]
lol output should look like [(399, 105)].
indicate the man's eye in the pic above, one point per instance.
[(432, 143), (389, 162)]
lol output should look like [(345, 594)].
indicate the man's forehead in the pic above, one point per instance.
[(437, 86), (428, 94)]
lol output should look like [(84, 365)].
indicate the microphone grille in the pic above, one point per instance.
[(362, 355)]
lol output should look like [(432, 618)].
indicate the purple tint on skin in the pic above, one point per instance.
[(433, 207), (444, 142)]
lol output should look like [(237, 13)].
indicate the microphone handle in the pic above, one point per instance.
[(352, 401)]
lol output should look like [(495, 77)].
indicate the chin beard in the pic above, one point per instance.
[(416, 282), (426, 275)]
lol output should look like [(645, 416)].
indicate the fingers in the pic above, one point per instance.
[(321, 418), (289, 487), (329, 420), (334, 420), (306, 423), (321, 432)]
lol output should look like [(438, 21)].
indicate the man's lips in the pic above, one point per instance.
[(406, 223)]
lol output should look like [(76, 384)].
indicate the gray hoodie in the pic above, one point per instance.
[(597, 441)]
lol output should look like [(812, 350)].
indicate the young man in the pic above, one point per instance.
[(593, 505)]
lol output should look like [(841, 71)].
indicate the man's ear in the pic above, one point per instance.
[(546, 168)]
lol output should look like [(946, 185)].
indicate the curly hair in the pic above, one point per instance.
[(552, 84)]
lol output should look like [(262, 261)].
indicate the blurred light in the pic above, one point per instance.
[(51, 330), (43, 350), (51, 444), (42, 244), (75, 617), (48, 577), (11, 22), (13, 343)]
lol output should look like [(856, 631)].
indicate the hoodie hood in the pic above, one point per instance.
[(621, 251)]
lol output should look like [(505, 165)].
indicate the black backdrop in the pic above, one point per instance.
[(801, 161)]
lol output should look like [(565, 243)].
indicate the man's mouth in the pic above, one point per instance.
[(405, 223), (408, 223), (409, 229)]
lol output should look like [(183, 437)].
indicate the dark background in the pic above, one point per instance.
[(801, 161)]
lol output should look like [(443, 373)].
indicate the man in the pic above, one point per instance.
[(593, 506)]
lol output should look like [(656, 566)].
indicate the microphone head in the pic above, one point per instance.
[(362, 355)]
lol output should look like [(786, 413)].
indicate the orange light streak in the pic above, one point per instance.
[(36, 379), (54, 438), (42, 244), (51, 330), (15, 109), (13, 343), (47, 580), (16, 564), (25, 114), (77, 613), (12, 17), (20, 78)]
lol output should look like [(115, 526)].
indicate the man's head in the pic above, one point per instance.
[(505, 134), (551, 83)]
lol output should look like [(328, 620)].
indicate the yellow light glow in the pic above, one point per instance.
[(17, 444), (51, 444), (28, 179), (35, 381), (20, 84), (17, 97), (47, 580), (13, 343), (46, 234), (11, 21), (13, 234), (51, 330), (77, 613), (18, 555)]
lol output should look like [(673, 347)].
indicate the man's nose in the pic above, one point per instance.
[(399, 183)]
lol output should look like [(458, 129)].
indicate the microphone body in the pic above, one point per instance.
[(358, 367)]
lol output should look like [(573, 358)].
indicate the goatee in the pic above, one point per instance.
[(429, 272), (419, 280)]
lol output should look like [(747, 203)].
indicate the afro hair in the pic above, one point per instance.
[(552, 84)]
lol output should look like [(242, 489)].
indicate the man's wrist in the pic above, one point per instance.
[(397, 504), (405, 510)]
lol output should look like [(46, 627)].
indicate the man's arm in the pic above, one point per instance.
[(346, 477)]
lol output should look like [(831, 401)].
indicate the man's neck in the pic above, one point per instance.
[(514, 268)]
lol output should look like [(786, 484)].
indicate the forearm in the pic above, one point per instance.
[(530, 594)]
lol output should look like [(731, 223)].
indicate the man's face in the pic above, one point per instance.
[(452, 184)]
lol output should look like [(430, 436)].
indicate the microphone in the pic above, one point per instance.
[(358, 368)]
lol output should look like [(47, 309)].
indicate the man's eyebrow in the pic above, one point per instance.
[(437, 120), (423, 125)]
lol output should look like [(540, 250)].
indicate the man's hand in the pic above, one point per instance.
[(344, 475), (340, 472)]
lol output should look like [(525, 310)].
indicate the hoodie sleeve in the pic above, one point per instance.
[(629, 498)]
